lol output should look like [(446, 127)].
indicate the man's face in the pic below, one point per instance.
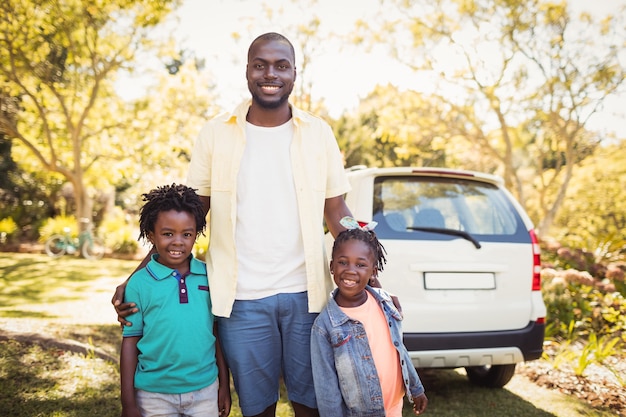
[(271, 73)]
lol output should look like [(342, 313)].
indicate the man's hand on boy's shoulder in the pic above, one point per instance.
[(419, 404), (122, 309)]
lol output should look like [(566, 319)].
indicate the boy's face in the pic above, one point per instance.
[(352, 267), (173, 237)]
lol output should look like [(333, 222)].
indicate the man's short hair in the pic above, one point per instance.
[(272, 36)]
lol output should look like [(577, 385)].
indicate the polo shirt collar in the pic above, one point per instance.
[(158, 271)]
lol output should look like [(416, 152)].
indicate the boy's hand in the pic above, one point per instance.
[(224, 399), (419, 404), (131, 412), (122, 309)]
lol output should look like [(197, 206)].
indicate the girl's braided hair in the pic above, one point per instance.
[(367, 236), (170, 197)]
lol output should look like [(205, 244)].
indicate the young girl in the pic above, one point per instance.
[(171, 362), (360, 365)]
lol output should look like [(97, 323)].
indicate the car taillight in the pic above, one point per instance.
[(536, 286)]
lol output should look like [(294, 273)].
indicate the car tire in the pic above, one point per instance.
[(494, 376)]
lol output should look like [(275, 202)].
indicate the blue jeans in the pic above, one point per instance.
[(200, 403), (265, 339)]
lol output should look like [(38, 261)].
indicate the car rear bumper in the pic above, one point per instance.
[(443, 350)]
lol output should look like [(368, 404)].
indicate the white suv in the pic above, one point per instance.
[(463, 260)]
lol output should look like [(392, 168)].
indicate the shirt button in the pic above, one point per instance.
[(182, 281), (183, 291)]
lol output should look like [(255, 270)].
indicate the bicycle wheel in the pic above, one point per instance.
[(93, 248), (55, 246)]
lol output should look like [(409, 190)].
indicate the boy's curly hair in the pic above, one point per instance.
[(170, 197), (370, 238)]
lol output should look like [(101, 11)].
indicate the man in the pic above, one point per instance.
[(270, 173)]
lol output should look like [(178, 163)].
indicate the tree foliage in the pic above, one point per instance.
[(520, 80), (161, 128), (308, 38), (594, 218), (58, 62), (392, 128)]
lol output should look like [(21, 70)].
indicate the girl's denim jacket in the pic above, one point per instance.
[(346, 381)]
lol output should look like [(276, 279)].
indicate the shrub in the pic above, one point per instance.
[(7, 228), (118, 234), (607, 275), (201, 247), (58, 225), (579, 306)]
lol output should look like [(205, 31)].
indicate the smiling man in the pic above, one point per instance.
[(270, 174), (271, 73)]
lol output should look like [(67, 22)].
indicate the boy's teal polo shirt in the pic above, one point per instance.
[(177, 345)]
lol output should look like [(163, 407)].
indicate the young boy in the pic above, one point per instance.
[(360, 365), (171, 362)]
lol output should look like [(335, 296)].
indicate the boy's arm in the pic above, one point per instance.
[(128, 366), (224, 400)]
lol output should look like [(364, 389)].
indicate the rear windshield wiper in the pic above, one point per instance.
[(453, 232)]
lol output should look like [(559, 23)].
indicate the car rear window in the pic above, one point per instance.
[(405, 205)]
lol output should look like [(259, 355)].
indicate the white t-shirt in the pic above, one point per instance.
[(268, 235)]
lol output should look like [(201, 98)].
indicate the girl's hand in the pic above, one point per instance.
[(419, 404)]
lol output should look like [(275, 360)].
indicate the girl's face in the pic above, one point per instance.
[(352, 266), (173, 237)]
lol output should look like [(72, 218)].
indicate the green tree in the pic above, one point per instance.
[(59, 59), (310, 38), (594, 218), (161, 128), (392, 128), (520, 80)]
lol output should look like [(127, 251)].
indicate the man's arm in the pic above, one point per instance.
[(123, 309), (335, 209), (206, 203)]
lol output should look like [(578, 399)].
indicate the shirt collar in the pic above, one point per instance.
[(338, 317), (241, 111), (158, 271)]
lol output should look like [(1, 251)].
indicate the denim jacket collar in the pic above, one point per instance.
[(338, 317)]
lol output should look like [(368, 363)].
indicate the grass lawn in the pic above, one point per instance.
[(59, 344)]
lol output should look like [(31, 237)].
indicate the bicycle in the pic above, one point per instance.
[(90, 246)]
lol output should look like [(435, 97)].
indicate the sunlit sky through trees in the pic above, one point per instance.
[(340, 73)]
